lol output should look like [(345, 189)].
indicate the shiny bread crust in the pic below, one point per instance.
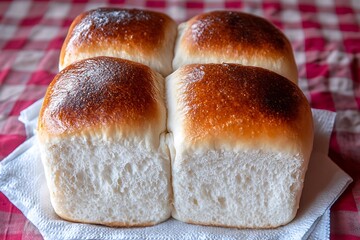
[(101, 93), (234, 37), (133, 34), (231, 105)]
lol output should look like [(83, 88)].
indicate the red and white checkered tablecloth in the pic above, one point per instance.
[(325, 35)]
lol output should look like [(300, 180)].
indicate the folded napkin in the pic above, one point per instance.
[(22, 180)]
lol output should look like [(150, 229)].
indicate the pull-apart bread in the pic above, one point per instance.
[(241, 142), (223, 144), (101, 132), (234, 37), (139, 35)]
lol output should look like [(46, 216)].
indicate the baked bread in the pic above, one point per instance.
[(240, 141), (240, 137), (101, 131), (139, 35), (234, 37)]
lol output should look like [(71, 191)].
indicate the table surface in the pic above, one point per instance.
[(325, 36)]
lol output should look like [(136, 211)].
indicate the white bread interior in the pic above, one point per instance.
[(114, 182), (229, 168), (102, 144)]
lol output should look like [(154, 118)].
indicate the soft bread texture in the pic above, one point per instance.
[(234, 37), (239, 138), (102, 132), (240, 141), (139, 35)]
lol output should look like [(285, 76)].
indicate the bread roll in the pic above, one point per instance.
[(234, 37), (101, 134), (139, 35), (241, 142)]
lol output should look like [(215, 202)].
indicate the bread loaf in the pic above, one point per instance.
[(101, 131), (241, 142), (239, 134), (234, 37), (139, 35)]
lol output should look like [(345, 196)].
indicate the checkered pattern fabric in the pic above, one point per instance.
[(325, 36)]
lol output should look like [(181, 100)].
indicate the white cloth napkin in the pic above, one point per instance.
[(22, 180)]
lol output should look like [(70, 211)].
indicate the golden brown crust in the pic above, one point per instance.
[(228, 226), (109, 224), (98, 93), (241, 103), (240, 33), (117, 29)]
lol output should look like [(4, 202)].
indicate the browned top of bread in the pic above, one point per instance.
[(110, 27), (98, 93), (242, 103), (244, 32)]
